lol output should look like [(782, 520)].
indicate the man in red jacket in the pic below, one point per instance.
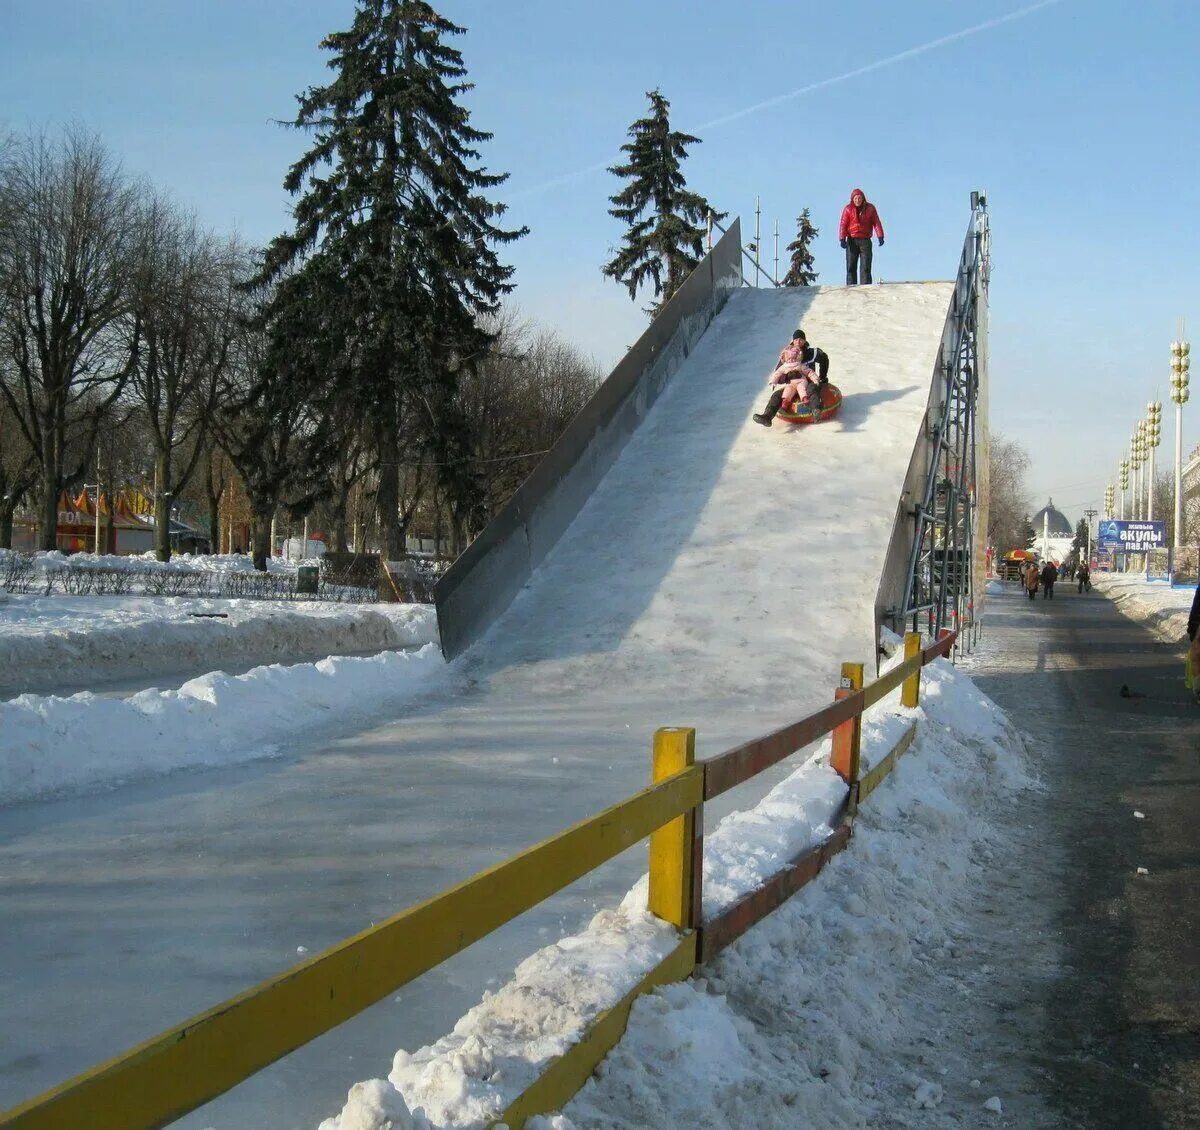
[(860, 221)]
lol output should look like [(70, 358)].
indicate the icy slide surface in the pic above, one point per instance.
[(717, 578), (722, 571)]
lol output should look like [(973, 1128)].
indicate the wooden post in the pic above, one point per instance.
[(848, 736), (910, 693), (674, 874)]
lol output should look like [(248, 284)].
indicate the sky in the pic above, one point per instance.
[(1078, 119)]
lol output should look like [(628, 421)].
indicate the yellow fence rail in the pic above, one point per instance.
[(181, 1069)]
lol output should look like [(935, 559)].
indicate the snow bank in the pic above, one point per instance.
[(52, 745), (790, 1023), (140, 562), (55, 642), (1163, 609)]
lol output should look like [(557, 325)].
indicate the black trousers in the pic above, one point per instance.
[(858, 260), (1047, 590), (773, 405)]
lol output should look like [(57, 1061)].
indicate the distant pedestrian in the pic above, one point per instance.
[(859, 222), (1049, 576), (1084, 573), (1193, 630), (1031, 579)]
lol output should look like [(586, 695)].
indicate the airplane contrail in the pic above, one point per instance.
[(899, 57), (890, 60)]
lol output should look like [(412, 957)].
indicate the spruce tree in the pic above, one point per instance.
[(393, 230), (667, 223), (800, 272)]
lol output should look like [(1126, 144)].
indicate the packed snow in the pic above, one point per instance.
[(1163, 608), (49, 643), (51, 745), (795, 1022)]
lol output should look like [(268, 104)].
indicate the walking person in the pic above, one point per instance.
[(1193, 631), (1084, 573), (1049, 576), (860, 220), (1031, 580)]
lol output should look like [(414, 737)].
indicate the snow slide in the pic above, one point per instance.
[(721, 571), (716, 577)]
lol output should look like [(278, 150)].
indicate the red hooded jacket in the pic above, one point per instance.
[(860, 222)]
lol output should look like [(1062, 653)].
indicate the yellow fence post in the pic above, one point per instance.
[(847, 737), (673, 887), (910, 695)]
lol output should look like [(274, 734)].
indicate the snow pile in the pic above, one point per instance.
[(148, 562), (1162, 608), (794, 1024), (56, 642), (54, 745)]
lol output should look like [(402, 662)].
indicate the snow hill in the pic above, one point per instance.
[(721, 572)]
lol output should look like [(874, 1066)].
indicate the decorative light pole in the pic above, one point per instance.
[(1181, 364), (1110, 499), (1135, 461), (1153, 439), (1143, 454), (1124, 484)]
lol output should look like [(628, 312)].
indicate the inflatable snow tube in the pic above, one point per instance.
[(831, 401)]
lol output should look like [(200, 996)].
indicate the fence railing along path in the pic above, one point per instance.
[(186, 1066)]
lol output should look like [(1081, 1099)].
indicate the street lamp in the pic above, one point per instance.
[(1143, 454), (1153, 439), (1110, 498), (1181, 364), (1124, 484), (1135, 461)]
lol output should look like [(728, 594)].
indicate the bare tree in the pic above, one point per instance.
[(68, 334), (1008, 507), (18, 472), (185, 303), (518, 400)]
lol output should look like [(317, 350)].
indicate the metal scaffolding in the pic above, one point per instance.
[(940, 587)]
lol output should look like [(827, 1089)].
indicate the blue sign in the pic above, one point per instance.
[(1131, 537)]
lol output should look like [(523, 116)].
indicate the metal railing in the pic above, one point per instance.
[(940, 584)]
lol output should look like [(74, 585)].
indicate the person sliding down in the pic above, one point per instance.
[(802, 371)]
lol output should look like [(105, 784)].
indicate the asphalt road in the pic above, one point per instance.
[(1111, 1034)]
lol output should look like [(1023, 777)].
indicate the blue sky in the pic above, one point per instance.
[(1078, 118)]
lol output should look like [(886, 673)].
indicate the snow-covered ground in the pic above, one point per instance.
[(1162, 608), (795, 1024), (717, 578), (64, 643)]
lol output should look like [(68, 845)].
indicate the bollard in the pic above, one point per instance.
[(847, 737), (910, 693), (674, 873)]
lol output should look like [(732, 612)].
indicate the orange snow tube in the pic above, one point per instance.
[(831, 401)]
